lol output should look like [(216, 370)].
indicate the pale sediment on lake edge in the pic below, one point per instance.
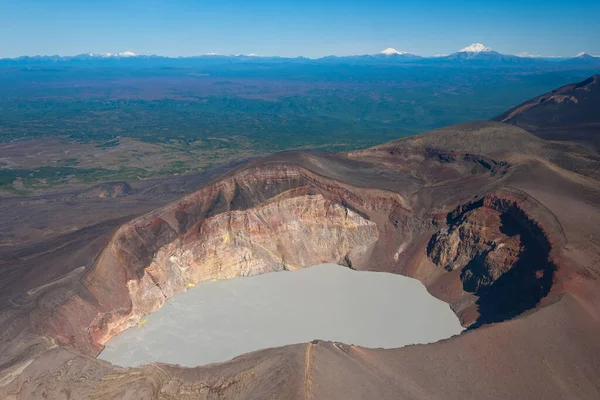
[(218, 320)]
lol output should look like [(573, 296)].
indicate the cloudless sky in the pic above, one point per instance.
[(291, 28)]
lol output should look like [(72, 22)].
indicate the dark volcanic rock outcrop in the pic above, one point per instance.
[(502, 254), (484, 214)]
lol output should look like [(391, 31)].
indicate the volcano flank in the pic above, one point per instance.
[(501, 224)]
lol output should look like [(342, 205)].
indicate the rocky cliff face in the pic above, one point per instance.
[(283, 234), (503, 256)]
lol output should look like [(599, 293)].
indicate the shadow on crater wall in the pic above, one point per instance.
[(525, 284)]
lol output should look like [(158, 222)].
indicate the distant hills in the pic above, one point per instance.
[(476, 54)]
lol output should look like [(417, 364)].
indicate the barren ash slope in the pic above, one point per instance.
[(568, 113), (503, 225)]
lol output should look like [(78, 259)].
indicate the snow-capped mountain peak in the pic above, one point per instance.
[(390, 51), (475, 48)]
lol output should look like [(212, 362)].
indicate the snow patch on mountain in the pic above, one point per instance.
[(391, 51), (475, 48), (126, 54), (122, 54)]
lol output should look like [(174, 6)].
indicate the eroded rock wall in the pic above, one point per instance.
[(284, 234)]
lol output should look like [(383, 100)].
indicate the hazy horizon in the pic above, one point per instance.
[(289, 29), (130, 53)]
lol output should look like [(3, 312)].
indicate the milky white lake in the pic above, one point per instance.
[(218, 320)]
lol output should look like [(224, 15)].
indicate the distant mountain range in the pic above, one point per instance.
[(475, 54)]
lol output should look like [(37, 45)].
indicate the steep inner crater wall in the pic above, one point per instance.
[(282, 234)]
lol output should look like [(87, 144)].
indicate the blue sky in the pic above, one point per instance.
[(291, 28)]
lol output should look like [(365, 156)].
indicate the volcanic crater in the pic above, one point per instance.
[(496, 222)]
